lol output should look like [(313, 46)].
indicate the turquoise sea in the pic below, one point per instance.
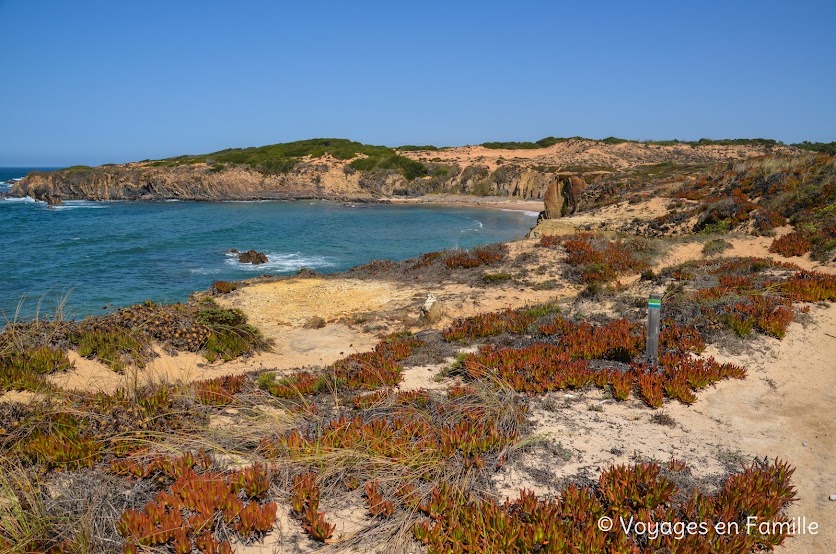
[(104, 255)]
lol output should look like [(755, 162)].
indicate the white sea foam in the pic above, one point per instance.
[(475, 228), (280, 262), (79, 205), (526, 212), (25, 199)]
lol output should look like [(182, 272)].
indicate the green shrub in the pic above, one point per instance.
[(266, 380), (25, 370), (541, 310), (482, 188), (220, 317), (542, 143), (716, 228), (77, 169), (412, 148), (226, 345), (410, 168), (108, 346), (828, 148), (492, 278), (614, 140), (42, 360), (715, 246), (230, 334)]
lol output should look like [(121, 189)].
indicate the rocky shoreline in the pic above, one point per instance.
[(466, 171)]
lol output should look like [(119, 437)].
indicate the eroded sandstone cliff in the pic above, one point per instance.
[(466, 170)]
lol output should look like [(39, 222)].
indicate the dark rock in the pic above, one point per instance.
[(252, 257), (306, 272), (233, 251), (53, 200), (48, 196)]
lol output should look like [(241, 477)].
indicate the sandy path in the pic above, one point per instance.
[(783, 409), (786, 409), (293, 348)]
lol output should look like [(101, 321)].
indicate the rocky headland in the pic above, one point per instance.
[(342, 170)]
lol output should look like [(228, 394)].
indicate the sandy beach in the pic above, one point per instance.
[(495, 202)]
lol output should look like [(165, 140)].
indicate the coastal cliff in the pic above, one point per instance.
[(345, 170), (327, 180)]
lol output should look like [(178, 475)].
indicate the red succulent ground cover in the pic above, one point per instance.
[(595, 258), (483, 255), (542, 367), (457, 522), (364, 370), (186, 515)]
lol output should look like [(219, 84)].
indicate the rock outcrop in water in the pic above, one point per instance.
[(252, 257), (524, 174), (53, 200)]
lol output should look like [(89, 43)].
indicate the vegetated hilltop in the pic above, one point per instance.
[(763, 196), (344, 169)]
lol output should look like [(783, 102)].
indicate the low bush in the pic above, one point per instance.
[(483, 255), (543, 367), (360, 371), (761, 194), (197, 503), (750, 294), (715, 246), (218, 391), (421, 440), (489, 324), (115, 347), (495, 278), (224, 287), (457, 521), (796, 243), (25, 370), (595, 259)]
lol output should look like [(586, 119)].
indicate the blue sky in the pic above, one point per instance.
[(96, 81)]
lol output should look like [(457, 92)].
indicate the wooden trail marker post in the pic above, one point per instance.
[(654, 308)]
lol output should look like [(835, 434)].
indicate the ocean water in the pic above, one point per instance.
[(98, 256)]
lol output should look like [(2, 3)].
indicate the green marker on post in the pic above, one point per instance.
[(654, 308)]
